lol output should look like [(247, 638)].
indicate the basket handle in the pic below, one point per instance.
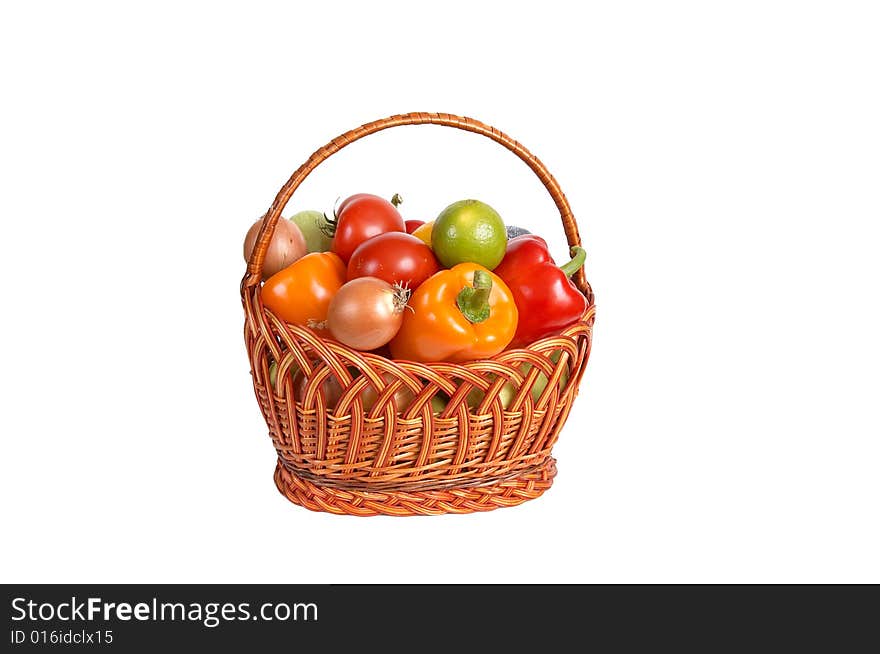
[(255, 263)]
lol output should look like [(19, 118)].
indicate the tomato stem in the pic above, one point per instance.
[(473, 301), (579, 256), (396, 200), (328, 227)]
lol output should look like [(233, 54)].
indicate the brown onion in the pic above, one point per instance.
[(287, 245), (366, 312)]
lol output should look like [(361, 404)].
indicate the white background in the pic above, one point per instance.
[(723, 162)]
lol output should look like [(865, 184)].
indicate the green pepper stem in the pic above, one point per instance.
[(579, 257), (473, 301)]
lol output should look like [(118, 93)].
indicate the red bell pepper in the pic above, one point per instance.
[(547, 300)]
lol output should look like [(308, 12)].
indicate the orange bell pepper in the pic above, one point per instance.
[(460, 314), (301, 293)]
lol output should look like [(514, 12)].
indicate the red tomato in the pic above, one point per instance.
[(361, 217), (413, 225), (394, 257), (349, 200)]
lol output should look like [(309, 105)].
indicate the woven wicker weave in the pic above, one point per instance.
[(343, 459)]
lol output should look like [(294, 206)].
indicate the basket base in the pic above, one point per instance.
[(508, 492)]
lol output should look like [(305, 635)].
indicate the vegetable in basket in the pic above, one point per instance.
[(413, 225), (300, 294), (315, 228), (396, 257), (506, 395), (287, 245), (361, 217), (423, 232), (367, 312), (332, 389), (509, 390), (513, 231), (542, 380), (460, 314), (548, 301)]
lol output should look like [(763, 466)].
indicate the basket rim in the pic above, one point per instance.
[(546, 343), (447, 377)]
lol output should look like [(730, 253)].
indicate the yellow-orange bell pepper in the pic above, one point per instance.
[(423, 232), (456, 315)]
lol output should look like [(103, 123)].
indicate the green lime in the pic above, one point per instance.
[(469, 230)]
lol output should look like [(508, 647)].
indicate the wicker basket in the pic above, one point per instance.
[(346, 460)]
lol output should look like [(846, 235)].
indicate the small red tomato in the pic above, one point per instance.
[(413, 225), (396, 258), (361, 217)]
